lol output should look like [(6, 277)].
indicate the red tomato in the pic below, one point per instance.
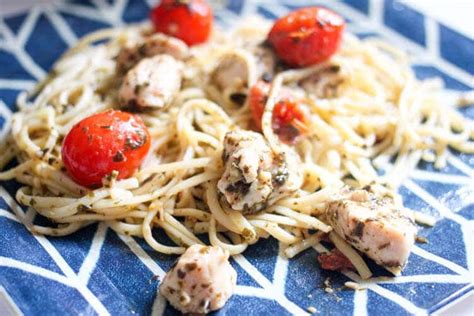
[(307, 36), (257, 98), (335, 261), (289, 118), (188, 20), (102, 143)]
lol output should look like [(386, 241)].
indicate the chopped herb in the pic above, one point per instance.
[(238, 98), (137, 89), (190, 266), (358, 231), (136, 143), (112, 176), (142, 49), (281, 175), (119, 157), (335, 68), (239, 187)]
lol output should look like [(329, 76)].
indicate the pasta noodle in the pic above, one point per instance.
[(377, 110)]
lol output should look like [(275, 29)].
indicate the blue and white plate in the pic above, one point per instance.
[(95, 271)]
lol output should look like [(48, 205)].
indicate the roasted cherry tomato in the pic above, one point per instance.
[(102, 143), (188, 20), (307, 36), (289, 118), (335, 261)]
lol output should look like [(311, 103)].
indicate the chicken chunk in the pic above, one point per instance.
[(201, 281), (231, 72), (153, 45), (375, 225), (255, 177), (247, 179), (152, 83)]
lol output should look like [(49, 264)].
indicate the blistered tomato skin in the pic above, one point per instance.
[(102, 143), (188, 20), (307, 36)]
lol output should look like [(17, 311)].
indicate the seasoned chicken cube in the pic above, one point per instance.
[(247, 179), (201, 281), (152, 83), (156, 44), (254, 176), (374, 225), (231, 72), (286, 177)]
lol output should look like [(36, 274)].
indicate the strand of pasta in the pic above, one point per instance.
[(351, 254)]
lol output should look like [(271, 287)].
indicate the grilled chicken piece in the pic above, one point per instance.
[(153, 45), (151, 84), (254, 176), (374, 225), (201, 281), (231, 71)]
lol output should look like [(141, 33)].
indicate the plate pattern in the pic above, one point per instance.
[(96, 271)]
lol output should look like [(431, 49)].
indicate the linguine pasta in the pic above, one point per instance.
[(367, 108)]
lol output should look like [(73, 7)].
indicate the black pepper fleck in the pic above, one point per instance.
[(119, 157)]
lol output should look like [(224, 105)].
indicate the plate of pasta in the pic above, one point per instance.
[(241, 157)]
